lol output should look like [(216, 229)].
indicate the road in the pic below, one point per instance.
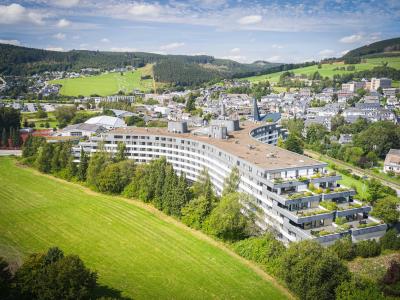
[(355, 170), (10, 152)]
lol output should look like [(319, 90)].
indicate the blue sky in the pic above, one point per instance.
[(278, 31)]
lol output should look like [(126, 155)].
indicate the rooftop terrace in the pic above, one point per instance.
[(240, 144)]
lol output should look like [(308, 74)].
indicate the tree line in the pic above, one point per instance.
[(10, 122), (49, 275)]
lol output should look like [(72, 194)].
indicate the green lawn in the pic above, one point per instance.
[(328, 69), (40, 123), (106, 84), (139, 252)]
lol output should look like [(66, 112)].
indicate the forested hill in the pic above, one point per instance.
[(382, 48), (183, 69)]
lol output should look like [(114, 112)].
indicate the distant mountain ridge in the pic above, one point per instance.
[(179, 69)]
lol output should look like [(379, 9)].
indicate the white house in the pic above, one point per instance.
[(392, 161)]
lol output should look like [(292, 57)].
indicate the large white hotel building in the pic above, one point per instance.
[(293, 191)]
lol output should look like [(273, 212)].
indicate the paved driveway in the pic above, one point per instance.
[(10, 152)]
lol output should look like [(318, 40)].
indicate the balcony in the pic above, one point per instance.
[(300, 180), (305, 215)]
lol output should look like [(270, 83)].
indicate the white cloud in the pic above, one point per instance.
[(248, 20), (15, 13), (11, 42), (326, 53), (275, 58), (123, 49), (238, 58), (63, 23), (210, 3), (105, 40), (344, 52), (59, 36), (55, 49), (351, 39), (235, 50), (144, 10), (171, 46), (64, 3), (276, 46)]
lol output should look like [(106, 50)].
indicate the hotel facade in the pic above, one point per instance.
[(298, 198)]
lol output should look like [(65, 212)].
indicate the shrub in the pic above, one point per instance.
[(329, 205), (368, 248), (340, 220), (359, 288), (386, 210), (265, 250), (344, 248), (311, 271), (390, 173), (390, 240)]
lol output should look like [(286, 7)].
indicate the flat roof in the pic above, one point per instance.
[(239, 144)]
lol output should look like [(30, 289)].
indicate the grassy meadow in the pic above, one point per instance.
[(327, 70), (107, 83), (134, 248)]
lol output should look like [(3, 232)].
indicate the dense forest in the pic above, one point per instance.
[(384, 46), (182, 74)]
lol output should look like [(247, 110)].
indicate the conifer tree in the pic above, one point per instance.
[(169, 189), (71, 169), (4, 138), (83, 165)]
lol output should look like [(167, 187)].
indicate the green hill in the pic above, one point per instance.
[(335, 68), (15, 60), (134, 249), (107, 84), (381, 48)]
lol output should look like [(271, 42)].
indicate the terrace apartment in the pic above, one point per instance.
[(298, 197)]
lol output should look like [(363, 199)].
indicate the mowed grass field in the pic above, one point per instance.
[(107, 84), (134, 248), (327, 70)]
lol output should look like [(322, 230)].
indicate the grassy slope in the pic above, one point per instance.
[(327, 69), (106, 84), (140, 252)]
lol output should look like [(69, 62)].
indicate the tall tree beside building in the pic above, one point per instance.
[(227, 221), (294, 144), (83, 165), (120, 155), (44, 158), (97, 163), (231, 183)]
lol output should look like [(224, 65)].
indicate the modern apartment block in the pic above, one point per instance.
[(298, 197)]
